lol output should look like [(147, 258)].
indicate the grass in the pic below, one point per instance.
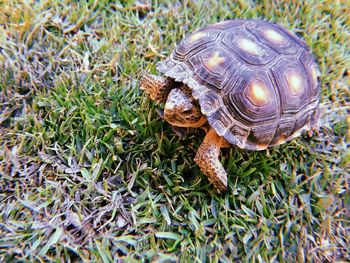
[(88, 172)]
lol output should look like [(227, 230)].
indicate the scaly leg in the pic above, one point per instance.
[(207, 158), (156, 87)]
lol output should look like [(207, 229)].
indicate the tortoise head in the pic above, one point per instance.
[(182, 110)]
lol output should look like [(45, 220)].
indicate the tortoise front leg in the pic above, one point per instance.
[(207, 158), (156, 87)]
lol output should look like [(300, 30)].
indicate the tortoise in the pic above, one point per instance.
[(254, 82)]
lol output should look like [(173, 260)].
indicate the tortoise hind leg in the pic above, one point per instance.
[(207, 158), (156, 87)]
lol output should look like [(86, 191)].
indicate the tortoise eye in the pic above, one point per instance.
[(187, 111)]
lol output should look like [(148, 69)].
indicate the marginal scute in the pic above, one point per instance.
[(284, 130), (261, 135), (224, 25), (210, 103), (220, 121), (165, 65), (303, 123), (314, 117), (309, 65), (256, 82), (178, 73), (237, 135)]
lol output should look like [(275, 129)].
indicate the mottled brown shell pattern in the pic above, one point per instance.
[(256, 82)]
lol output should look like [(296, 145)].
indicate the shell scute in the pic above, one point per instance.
[(276, 37), (247, 47), (247, 105), (194, 43), (211, 67), (292, 83)]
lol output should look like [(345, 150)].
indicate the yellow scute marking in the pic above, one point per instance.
[(214, 60), (258, 93), (295, 83), (274, 36), (196, 36), (249, 46)]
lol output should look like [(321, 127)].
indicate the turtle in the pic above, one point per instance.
[(253, 83)]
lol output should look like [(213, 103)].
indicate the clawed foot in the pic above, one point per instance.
[(207, 158)]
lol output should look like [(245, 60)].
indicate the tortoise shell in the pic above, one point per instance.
[(256, 82)]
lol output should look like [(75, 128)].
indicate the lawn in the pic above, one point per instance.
[(88, 171)]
